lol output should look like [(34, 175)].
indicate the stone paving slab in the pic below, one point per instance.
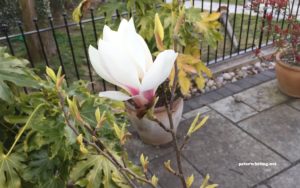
[(195, 112), (261, 186), (219, 147), (263, 96), (135, 147), (295, 103), (230, 108), (167, 180), (288, 179), (279, 128)]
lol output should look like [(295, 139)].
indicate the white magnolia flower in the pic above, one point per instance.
[(123, 59)]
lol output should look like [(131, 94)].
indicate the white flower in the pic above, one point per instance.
[(123, 59)]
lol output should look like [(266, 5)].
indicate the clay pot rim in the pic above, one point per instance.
[(156, 109), (285, 65)]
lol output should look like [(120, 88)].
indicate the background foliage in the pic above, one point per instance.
[(37, 148)]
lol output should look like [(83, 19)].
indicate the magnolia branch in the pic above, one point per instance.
[(101, 149)]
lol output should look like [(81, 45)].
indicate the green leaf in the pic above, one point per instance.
[(13, 119), (13, 70), (5, 93), (10, 166), (95, 170)]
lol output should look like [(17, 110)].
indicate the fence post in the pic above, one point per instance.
[(4, 30)]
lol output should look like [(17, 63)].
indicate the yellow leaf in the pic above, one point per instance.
[(76, 15), (158, 27), (81, 145), (202, 122), (193, 49), (208, 21), (203, 68), (189, 181), (205, 183), (184, 82), (144, 161), (154, 181), (83, 149), (167, 165), (213, 16), (98, 115), (75, 111), (184, 58), (71, 106), (192, 126), (171, 77), (58, 75), (158, 33), (78, 11), (51, 73), (212, 186), (118, 131), (121, 133), (200, 82), (59, 81), (79, 139), (189, 68)]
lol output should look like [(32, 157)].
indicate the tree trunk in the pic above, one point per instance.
[(57, 9), (28, 14)]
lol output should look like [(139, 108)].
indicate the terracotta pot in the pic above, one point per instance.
[(288, 77), (149, 131)]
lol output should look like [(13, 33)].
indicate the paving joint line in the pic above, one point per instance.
[(198, 170), (269, 108), (265, 181), (256, 139)]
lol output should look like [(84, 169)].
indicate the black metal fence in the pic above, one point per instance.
[(241, 30)]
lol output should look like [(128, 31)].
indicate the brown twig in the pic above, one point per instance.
[(185, 141), (175, 144), (152, 118)]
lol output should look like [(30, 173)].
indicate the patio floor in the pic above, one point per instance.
[(249, 121)]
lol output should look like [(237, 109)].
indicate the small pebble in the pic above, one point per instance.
[(210, 83), (207, 89), (257, 65), (237, 99), (227, 76), (232, 74), (244, 68), (254, 71)]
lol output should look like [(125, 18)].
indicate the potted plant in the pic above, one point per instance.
[(287, 41), (124, 59)]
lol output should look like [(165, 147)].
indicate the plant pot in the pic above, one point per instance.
[(149, 131), (288, 77)]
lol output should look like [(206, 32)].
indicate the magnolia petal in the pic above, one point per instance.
[(126, 26), (98, 64), (134, 46), (115, 95), (140, 100), (131, 24), (147, 53), (159, 71), (119, 64), (110, 35)]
